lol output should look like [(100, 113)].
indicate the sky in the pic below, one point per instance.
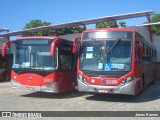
[(14, 14)]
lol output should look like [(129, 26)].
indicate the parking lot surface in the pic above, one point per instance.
[(23, 100)]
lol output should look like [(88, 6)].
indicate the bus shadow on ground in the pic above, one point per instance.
[(45, 95), (5, 81), (150, 93)]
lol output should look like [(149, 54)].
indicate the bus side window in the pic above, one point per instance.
[(137, 57), (139, 51), (143, 49), (155, 53), (66, 62), (149, 52), (66, 56), (146, 50)]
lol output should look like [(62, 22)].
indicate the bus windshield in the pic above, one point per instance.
[(106, 55), (35, 57)]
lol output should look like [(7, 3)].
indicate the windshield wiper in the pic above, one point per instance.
[(110, 49)]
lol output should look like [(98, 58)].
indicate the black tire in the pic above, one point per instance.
[(143, 82), (142, 85), (153, 79), (6, 76)]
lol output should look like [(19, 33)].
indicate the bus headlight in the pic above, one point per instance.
[(82, 79), (126, 81), (47, 80), (49, 86), (14, 83)]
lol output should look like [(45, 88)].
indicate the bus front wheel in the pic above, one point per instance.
[(6, 76), (142, 85)]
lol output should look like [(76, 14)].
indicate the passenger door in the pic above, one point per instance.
[(67, 70)]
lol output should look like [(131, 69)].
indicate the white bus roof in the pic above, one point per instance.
[(82, 22)]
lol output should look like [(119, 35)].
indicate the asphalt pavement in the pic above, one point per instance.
[(23, 100)]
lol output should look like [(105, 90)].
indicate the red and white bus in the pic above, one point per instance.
[(115, 61), (42, 64)]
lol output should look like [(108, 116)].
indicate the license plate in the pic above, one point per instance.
[(103, 91), (30, 88)]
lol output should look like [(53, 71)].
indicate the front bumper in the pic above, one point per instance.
[(128, 88), (52, 88)]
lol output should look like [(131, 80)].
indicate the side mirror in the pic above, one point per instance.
[(53, 47), (76, 44), (4, 47), (140, 50)]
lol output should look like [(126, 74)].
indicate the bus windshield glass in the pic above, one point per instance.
[(35, 57), (106, 55)]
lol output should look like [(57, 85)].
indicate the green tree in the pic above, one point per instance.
[(61, 31), (122, 24), (155, 29), (155, 18), (110, 24), (36, 23), (103, 25), (106, 24), (71, 30)]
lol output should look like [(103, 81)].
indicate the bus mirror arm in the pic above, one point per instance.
[(4, 47), (76, 44)]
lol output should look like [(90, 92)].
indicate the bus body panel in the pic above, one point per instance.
[(56, 82), (34, 82), (35, 79), (126, 89), (67, 79)]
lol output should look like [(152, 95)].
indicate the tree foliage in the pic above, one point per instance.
[(71, 30), (106, 24), (36, 23), (61, 31), (122, 24), (155, 29), (103, 25), (110, 24)]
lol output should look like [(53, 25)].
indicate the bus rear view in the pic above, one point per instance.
[(43, 64)]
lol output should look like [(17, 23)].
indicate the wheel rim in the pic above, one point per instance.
[(6, 76)]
